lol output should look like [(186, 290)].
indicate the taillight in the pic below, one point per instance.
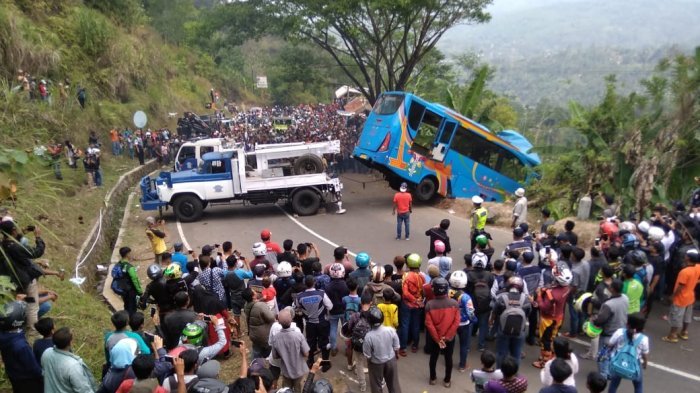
[(385, 143)]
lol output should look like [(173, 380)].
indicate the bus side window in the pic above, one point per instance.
[(415, 114)]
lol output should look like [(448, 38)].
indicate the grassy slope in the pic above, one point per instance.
[(133, 70)]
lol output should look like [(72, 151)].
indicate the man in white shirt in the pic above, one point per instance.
[(520, 208)]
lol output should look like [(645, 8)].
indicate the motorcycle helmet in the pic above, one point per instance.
[(259, 249), (636, 258), (656, 234), (563, 275), (378, 274), (628, 226), (154, 272), (479, 260), (482, 240), (259, 269), (440, 286), (178, 246), (337, 270), (516, 283), (439, 246), (591, 330), (375, 316), (643, 227), (362, 260), (173, 272), (458, 279), (322, 386), (413, 261), (13, 315), (284, 269), (582, 301), (630, 241), (193, 333)]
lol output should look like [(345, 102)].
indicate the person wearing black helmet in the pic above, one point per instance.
[(21, 366), (156, 292), (442, 319), (381, 348)]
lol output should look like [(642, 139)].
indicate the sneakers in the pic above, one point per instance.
[(408, 238), (352, 366)]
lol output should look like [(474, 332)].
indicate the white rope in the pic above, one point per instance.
[(77, 280)]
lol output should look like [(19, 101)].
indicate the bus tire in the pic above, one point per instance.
[(308, 164), (188, 208), (306, 202), (426, 189)]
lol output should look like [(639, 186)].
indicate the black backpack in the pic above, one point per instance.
[(482, 295), (360, 327), (120, 280)]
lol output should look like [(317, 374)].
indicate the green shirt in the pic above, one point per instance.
[(634, 291), (133, 276)]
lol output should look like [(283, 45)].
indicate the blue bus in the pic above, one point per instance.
[(437, 151)]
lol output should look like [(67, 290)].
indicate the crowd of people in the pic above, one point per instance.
[(297, 313), (43, 89)]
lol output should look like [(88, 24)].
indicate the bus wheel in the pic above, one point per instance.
[(308, 164), (188, 208), (306, 202), (425, 190)]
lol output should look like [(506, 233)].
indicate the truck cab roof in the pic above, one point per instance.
[(218, 155)]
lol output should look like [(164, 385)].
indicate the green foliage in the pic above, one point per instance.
[(92, 32), (127, 13), (7, 289)]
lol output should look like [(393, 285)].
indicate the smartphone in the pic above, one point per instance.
[(30, 228), (169, 359), (207, 318), (216, 245), (153, 312), (547, 249), (236, 343), (597, 241)]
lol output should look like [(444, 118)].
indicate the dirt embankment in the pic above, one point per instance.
[(500, 215)]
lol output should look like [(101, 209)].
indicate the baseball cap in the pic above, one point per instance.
[(693, 255), (404, 187), (7, 226), (477, 200), (207, 249), (209, 369), (520, 192), (265, 234)]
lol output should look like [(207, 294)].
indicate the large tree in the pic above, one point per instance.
[(377, 43)]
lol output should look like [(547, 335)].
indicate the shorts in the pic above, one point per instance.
[(236, 310), (677, 316)]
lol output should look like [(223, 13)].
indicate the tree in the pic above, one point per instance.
[(378, 43)]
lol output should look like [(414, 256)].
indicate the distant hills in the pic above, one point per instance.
[(562, 49)]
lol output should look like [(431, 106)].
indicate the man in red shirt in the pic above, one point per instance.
[(403, 207), (265, 236)]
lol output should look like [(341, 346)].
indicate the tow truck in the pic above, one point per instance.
[(285, 172)]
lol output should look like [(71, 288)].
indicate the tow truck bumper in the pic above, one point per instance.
[(149, 196)]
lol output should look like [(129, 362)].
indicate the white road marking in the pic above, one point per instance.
[(311, 231), (182, 236), (346, 375), (651, 364)]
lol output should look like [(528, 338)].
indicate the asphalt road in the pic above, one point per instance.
[(369, 226)]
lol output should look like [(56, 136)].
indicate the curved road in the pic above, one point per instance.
[(369, 226)]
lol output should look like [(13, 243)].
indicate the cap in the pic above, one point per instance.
[(7, 226), (404, 187), (207, 249), (693, 255), (477, 200), (519, 192), (150, 220), (209, 369), (265, 234), (518, 232)]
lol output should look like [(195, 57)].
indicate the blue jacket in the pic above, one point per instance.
[(20, 363)]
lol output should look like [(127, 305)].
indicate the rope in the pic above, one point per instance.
[(77, 280), (361, 181)]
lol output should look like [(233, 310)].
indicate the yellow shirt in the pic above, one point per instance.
[(391, 314), (158, 243)]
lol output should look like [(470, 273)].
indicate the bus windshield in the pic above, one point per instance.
[(387, 104)]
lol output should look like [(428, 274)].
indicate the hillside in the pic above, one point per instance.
[(564, 49)]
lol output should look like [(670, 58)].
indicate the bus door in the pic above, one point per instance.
[(442, 142)]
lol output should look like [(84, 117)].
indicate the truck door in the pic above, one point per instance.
[(216, 175)]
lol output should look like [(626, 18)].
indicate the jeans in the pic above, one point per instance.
[(406, 219), (512, 346), (409, 327), (465, 335), (334, 319), (116, 148), (483, 327), (45, 307), (317, 338), (575, 318), (435, 351), (615, 383), (97, 176)]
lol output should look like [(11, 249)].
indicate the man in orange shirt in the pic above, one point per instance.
[(114, 137), (681, 312), (403, 207)]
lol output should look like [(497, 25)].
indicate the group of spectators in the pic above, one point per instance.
[(42, 90)]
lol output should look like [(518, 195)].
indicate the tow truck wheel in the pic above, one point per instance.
[(188, 208), (308, 164), (306, 202)]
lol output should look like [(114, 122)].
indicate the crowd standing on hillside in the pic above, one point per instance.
[(299, 310)]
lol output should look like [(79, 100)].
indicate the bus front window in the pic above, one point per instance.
[(387, 104)]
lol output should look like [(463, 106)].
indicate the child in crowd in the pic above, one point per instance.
[(269, 294), (136, 321), (563, 351), (389, 309), (487, 372), (511, 381), (596, 382), (45, 327), (560, 371), (351, 303)]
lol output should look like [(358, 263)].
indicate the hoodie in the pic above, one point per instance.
[(20, 363)]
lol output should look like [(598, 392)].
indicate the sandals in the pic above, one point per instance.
[(672, 340), (683, 336), (432, 382), (447, 384)]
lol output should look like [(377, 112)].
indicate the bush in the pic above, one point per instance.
[(92, 32)]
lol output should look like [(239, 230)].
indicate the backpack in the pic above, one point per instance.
[(463, 299), (120, 280), (188, 385), (351, 308), (359, 330), (640, 276), (207, 385), (513, 318), (625, 362), (482, 296)]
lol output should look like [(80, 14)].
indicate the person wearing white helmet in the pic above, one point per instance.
[(336, 290), (520, 208), (402, 209), (551, 300), (259, 253), (467, 316), (480, 282), (477, 219)]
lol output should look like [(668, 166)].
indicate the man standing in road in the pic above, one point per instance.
[(478, 219), (439, 233), (380, 347), (403, 207), (155, 231), (441, 322), (520, 208)]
